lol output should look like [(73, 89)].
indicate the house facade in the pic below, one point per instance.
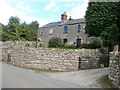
[(71, 31)]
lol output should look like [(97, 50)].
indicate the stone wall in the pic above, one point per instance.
[(19, 44), (53, 59), (114, 75)]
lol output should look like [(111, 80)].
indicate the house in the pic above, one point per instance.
[(71, 31)]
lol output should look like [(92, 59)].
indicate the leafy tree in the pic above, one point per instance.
[(13, 28), (25, 32), (34, 25), (101, 20), (14, 20), (1, 31), (17, 31)]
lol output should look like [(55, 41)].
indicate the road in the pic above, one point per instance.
[(16, 77), (84, 78)]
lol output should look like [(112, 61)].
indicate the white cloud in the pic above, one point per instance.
[(8, 10), (50, 5), (31, 18), (56, 9), (79, 10), (24, 8), (69, 5)]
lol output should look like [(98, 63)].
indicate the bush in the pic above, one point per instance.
[(70, 46), (55, 42), (104, 60), (93, 45), (106, 83)]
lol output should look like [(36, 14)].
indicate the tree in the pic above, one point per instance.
[(17, 31), (34, 25), (14, 20), (1, 26), (25, 32), (101, 20), (13, 28)]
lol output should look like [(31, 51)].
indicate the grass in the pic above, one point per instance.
[(36, 69), (105, 82), (55, 48), (48, 47)]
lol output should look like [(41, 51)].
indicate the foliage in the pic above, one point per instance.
[(34, 25), (93, 45), (104, 60), (14, 20), (14, 30), (102, 19), (70, 46), (55, 42), (105, 82)]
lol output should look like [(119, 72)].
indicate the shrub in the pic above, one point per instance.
[(104, 60), (70, 46), (93, 45), (55, 42)]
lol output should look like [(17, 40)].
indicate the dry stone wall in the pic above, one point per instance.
[(11, 44), (53, 59), (114, 65)]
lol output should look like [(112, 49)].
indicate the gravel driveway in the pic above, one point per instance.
[(84, 78)]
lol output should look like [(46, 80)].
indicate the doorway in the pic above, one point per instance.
[(78, 42), (65, 40)]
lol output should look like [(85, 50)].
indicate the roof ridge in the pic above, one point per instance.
[(74, 21)]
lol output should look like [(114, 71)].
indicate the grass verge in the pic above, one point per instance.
[(36, 69), (105, 82)]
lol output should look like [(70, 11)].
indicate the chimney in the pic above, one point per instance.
[(64, 16), (70, 18)]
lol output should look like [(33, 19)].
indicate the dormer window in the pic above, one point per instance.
[(79, 28), (65, 29)]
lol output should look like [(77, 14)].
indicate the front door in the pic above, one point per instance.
[(78, 42)]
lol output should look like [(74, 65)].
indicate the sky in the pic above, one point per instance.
[(44, 11)]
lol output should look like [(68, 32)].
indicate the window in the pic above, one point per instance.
[(65, 40), (79, 28), (40, 33), (65, 29), (83, 28), (50, 31)]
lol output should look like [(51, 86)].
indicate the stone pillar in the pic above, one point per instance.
[(114, 66)]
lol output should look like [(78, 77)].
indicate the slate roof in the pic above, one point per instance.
[(62, 23)]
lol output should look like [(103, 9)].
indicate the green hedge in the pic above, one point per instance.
[(93, 45), (104, 60), (70, 46), (55, 42)]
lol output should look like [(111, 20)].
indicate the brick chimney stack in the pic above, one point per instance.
[(64, 16)]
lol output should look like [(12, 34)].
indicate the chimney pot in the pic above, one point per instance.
[(64, 16)]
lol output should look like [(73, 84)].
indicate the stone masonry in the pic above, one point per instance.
[(53, 59), (114, 75), (69, 30)]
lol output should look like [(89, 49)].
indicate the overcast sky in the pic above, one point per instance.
[(44, 11)]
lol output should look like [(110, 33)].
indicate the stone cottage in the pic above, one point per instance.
[(71, 31)]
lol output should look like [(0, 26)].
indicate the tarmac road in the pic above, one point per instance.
[(16, 77)]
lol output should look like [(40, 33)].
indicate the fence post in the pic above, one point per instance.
[(9, 57), (79, 63)]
